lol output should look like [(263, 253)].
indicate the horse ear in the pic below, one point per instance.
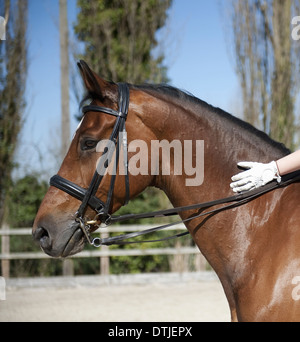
[(94, 83)]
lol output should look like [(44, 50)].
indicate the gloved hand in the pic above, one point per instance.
[(258, 175)]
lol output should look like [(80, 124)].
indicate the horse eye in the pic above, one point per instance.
[(88, 144)]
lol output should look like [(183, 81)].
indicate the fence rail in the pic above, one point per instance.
[(104, 253)]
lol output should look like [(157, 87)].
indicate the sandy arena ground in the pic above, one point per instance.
[(192, 301)]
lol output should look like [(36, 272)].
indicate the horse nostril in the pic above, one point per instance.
[(41, 235)]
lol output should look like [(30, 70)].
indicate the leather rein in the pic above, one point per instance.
[(88, 196)]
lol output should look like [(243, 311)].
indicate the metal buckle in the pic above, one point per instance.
[(85, 226), (85, 229)]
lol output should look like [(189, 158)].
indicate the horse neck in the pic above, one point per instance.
[(226, 140)]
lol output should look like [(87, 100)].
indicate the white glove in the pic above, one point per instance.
[(258, 175)]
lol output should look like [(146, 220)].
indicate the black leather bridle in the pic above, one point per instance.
[(88, 196)]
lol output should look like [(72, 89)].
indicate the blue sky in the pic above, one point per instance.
[(197, 57)]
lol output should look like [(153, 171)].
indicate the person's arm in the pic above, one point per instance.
[(289, 163), (259, 174)]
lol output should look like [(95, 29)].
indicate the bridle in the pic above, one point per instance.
[(88, 196)]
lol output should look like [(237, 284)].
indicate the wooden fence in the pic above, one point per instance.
[(104, 252)]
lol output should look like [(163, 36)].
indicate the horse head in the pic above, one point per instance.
[(56, 227)]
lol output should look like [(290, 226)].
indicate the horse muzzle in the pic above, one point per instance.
[(59, 242)]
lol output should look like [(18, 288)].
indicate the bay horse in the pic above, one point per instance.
[(254, 248)]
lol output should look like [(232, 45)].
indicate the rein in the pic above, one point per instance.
[(88, 196), (231, 202)]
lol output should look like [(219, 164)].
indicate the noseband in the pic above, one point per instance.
[(88, 196)]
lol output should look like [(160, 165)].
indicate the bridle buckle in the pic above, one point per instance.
[(85, 227)]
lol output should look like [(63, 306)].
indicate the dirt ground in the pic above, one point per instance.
[(192, 301)]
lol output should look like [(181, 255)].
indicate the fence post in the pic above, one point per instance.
[(68, 268), (104, 261), (200, 262), (5, 249)]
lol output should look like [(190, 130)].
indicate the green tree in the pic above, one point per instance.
[(120, 37), (25, 198), (13, 67)]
